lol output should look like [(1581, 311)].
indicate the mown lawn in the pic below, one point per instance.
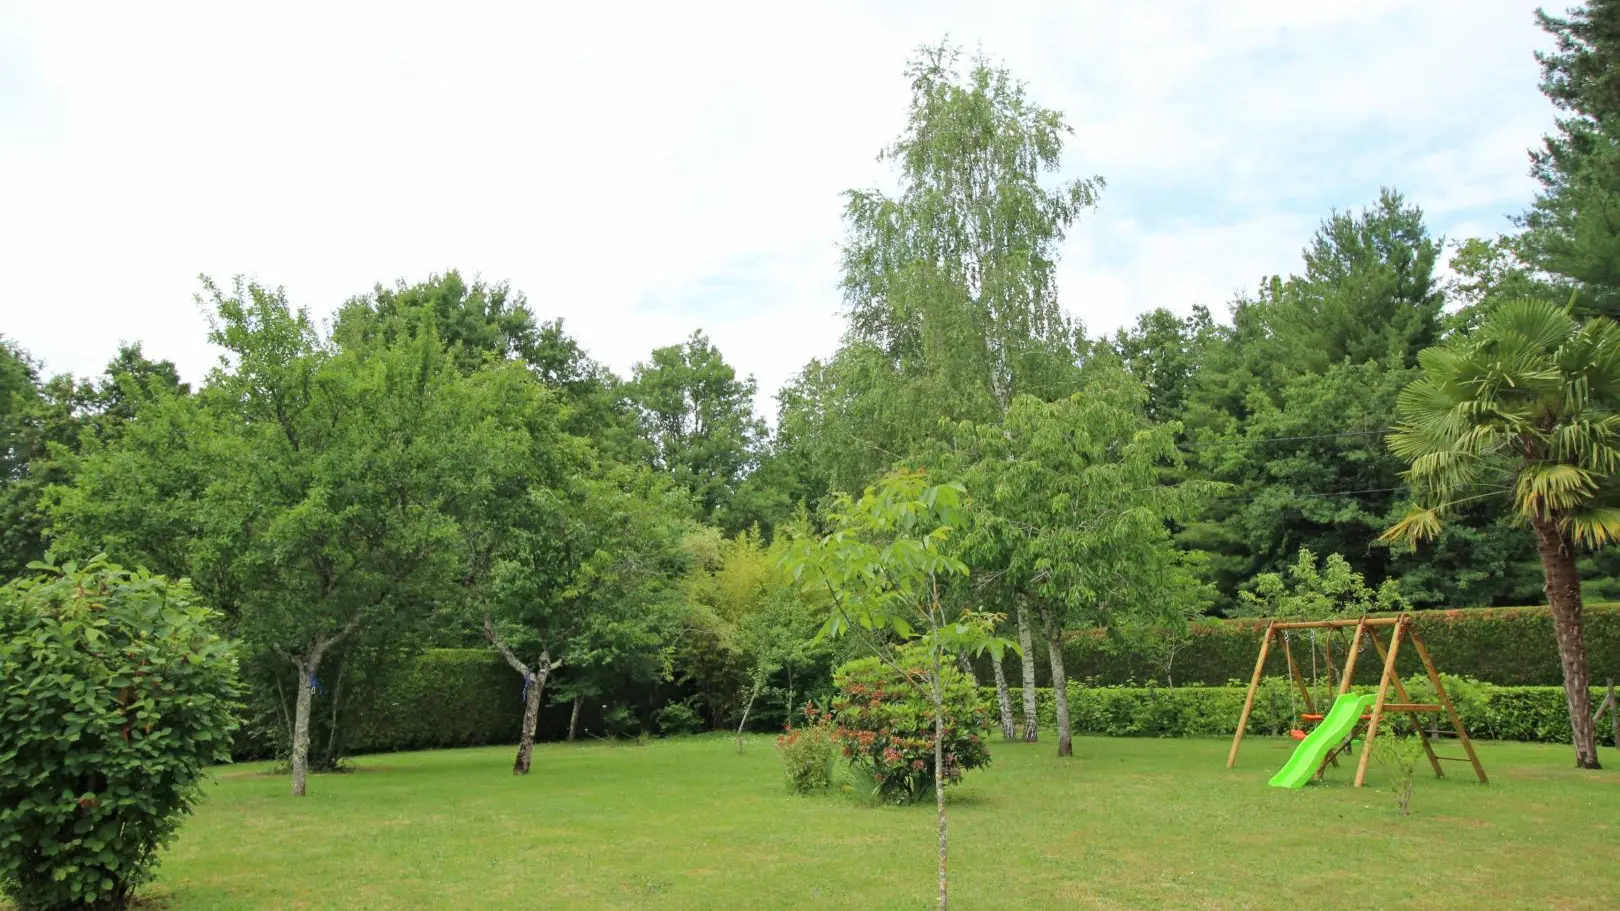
[(689, 824)]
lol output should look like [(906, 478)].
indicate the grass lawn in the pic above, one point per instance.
[(689, 824)]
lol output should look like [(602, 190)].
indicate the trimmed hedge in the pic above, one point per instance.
[(1529, 713), (444, 698), (1511, 646)]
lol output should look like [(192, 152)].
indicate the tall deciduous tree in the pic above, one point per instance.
[(1526, 406), (950, 283), (478, 322), (312, 493), (699, 416), (1071, 515)]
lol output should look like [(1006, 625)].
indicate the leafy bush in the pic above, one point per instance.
[(809, 753), (678, 718), (1399, 756), (885, 723), (114, 696)]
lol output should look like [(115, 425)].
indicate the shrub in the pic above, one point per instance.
[(114, 695), (678, 718), (885, 723), (809, 753), (1399, 756)]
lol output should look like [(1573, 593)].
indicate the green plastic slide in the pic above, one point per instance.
[(1313, 750)]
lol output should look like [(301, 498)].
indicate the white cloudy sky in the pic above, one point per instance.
[(644, 169)]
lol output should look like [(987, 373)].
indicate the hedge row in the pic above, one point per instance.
[(1529, 713), (1509, 646)]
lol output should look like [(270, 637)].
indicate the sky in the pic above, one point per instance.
[(643, 170)]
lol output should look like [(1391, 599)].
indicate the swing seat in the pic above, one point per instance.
[(1298, 734)]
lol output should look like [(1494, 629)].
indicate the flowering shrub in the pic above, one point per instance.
[(885, 724), (808, 754)]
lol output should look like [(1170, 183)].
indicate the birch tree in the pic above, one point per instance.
[(950, 282)]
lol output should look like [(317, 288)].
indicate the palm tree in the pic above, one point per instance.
[(1524, 406)]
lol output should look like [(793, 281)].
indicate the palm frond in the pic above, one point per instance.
[(1417, 525)]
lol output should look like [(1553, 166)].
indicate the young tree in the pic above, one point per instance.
[(1525, 406), (881, 569)]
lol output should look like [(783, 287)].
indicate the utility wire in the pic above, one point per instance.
[(1317, 436)]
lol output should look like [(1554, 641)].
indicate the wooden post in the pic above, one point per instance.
[(1417, 720), (1350, 660), (1248, 701), (1451, 710), (1378, 705)]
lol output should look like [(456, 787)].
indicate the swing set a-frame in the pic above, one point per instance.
[(1400, 629)]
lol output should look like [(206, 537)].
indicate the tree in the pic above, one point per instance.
[(592, 585), (43, 426), (881, 569), (1290, 401), (20, 541), (1163, 352), (478, 323), (1525, 406), (312, 493), (1571, 229), (951, 284), (1318, 590), (699, 417), (116, 693), (1071, 515)]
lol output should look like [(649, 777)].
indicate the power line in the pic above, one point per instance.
[(1316, 436)]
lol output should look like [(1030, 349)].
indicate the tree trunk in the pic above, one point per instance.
[(1003, 700), (1563, 588), (531, 719), (1026, 641), (753, 693), (573, 718), (1060, 685), (300, 740), (939, 782)]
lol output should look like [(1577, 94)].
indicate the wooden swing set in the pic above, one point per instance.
[(1401, 629)]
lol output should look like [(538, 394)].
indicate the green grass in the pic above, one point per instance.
[(689, 824)]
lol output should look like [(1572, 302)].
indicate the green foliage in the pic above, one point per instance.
[(1399, 755), (699, 417), (677, 718), (1506, 646), (1525, 406), (1537, 714), (441, 698), (115, 693), (809, 754), (884, 722), (1570, 229), (1070, 508), (1318, 592)]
